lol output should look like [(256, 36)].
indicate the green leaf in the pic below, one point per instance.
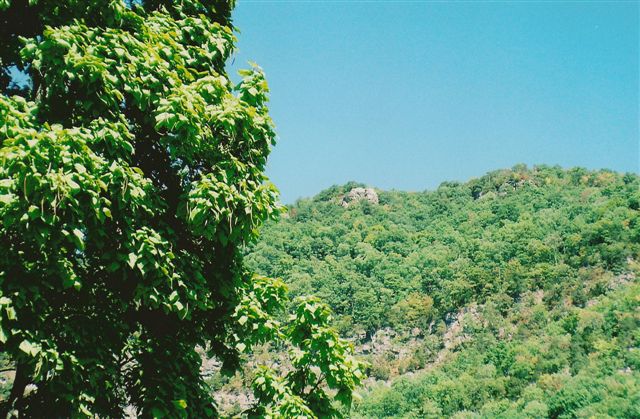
[(79, 168), (11, 312), (6, 199), (179, 306), (73, 185), (181, 404), (163, 118), (133, 258), (79, 235), (29, 348)]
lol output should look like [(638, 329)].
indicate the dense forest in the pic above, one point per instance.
[(516, 294)]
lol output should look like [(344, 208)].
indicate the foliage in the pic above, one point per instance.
[(494, 237), (131, 175), (540, 371), (524, 284), (320, 360)]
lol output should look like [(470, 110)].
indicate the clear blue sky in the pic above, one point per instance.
[(407, 94)]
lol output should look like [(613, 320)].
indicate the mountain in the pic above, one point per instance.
[(513, 295)]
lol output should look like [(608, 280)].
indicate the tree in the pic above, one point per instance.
[(414, 311), (131, 176)]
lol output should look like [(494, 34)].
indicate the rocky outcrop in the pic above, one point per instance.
[(359, 194)]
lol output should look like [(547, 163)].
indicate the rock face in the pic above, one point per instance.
[(358, 194)]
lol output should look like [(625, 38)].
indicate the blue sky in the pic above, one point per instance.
[(408, 94)]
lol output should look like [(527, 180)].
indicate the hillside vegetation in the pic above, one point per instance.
[(517, 292)]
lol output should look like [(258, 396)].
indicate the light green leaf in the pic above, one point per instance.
[(181, 404), (79, 235), (6, 199), (29, 348), (132, 260), (178, 305)]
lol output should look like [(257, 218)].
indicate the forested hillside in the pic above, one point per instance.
[(516, 293)]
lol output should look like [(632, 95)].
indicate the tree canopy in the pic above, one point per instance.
[(500, 235), (513, 295), (131, 175)]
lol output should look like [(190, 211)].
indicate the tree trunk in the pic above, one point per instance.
[(17, 391)]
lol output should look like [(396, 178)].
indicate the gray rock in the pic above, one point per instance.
[(359, 194)]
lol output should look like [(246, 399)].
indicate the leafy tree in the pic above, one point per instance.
[(414, 311), (131, 175)]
